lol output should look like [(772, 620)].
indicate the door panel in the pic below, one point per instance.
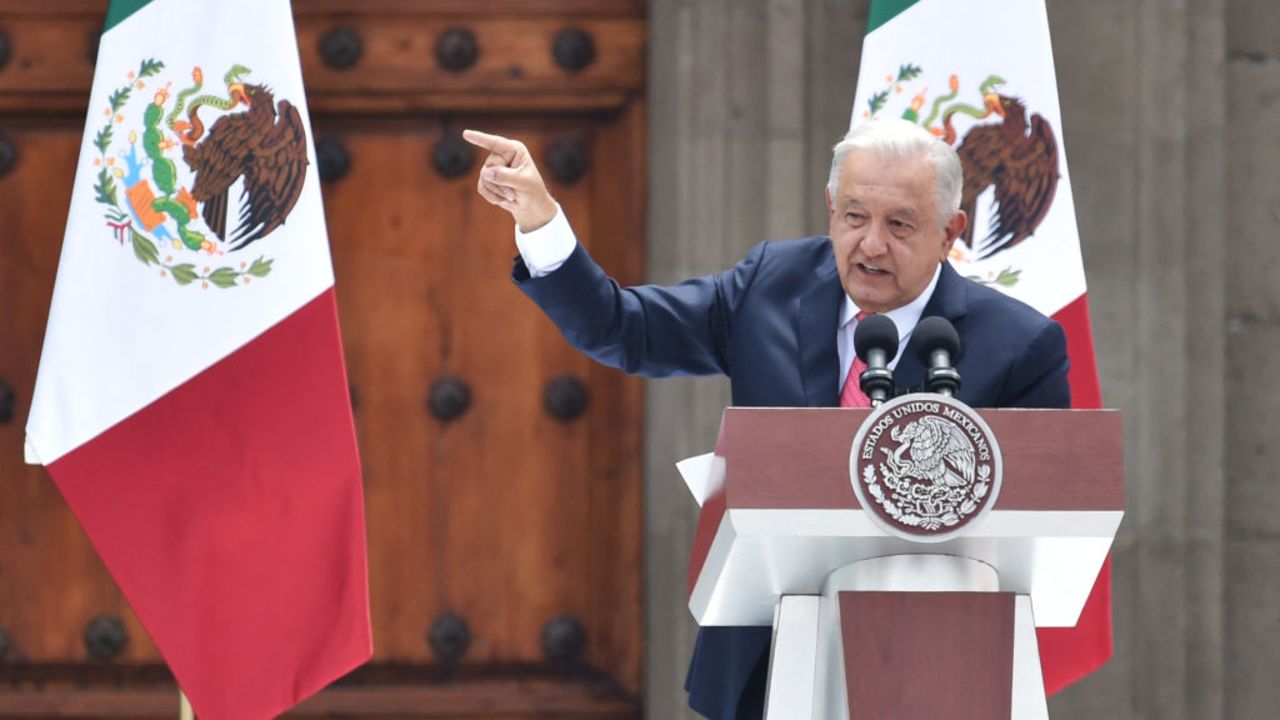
[(52, 584), (485, 507)]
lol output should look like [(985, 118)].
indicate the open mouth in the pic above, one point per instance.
[(871, 269)]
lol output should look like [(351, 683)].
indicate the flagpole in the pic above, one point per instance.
[(184, 707)]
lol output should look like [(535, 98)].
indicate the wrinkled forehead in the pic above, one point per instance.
[(869, 175)]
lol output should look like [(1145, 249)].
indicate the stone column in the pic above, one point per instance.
[(1142, 98), (1252, 271)]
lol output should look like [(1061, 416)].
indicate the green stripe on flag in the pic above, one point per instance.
[(882, 11), (120, 10)]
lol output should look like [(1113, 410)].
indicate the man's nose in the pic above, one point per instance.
[(876, 241)]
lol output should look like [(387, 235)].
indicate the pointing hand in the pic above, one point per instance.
[(510, 180)]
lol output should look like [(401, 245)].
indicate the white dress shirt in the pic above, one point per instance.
[(544, 250)]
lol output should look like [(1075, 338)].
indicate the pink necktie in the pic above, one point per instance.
[(852, 395)]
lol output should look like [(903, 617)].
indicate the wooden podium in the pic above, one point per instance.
[(904, 570)]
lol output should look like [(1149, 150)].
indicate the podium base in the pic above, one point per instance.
[(905, 637)]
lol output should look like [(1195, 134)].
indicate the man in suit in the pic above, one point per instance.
[(780, 323)]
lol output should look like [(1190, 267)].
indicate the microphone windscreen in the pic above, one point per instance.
[(875, 331), (935, 333)]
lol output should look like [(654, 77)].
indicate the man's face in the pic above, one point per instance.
[(886, 230)]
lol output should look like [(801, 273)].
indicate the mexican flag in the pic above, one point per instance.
[(979, 74), (192, 402)]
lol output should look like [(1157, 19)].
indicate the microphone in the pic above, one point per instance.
[(875, 340), (937, 343)]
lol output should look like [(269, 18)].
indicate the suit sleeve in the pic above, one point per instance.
[(647, 330), (1039, 376)]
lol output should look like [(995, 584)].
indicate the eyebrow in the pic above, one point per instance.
[(853, 202)]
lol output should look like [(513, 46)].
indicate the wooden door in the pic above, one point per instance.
[(501, 468)]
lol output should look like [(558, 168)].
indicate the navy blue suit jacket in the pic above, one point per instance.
[(769, 323)]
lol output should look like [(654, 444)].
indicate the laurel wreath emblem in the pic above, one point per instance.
[(123, 217), (919, 505)]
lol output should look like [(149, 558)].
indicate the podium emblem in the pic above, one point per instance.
[(925, 467)]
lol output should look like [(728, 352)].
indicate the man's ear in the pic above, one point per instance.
[(953, 228), (826, 192)]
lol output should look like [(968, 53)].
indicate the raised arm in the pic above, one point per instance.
[(646, 330)]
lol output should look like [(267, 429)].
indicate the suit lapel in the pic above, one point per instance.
[(948, 301), (817, 312)]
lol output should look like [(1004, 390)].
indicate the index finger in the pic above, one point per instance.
[(506, 148)]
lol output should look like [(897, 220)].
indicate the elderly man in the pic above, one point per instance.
[(780, 323)]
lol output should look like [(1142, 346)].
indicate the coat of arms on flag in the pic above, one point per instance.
[(173, 213)]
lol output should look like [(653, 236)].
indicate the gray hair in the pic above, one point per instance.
[(902, 139)]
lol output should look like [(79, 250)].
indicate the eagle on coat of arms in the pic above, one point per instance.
[(1019, 159), (265, 145)]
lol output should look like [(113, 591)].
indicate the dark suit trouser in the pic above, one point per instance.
[(729, 671)]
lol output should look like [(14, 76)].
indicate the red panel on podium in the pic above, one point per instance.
[(912, 656)]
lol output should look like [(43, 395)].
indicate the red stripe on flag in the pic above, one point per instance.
[(1068, 654), (1083, 376), (230, 512)]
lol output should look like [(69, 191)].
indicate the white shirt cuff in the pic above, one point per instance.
[(544, 250)]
